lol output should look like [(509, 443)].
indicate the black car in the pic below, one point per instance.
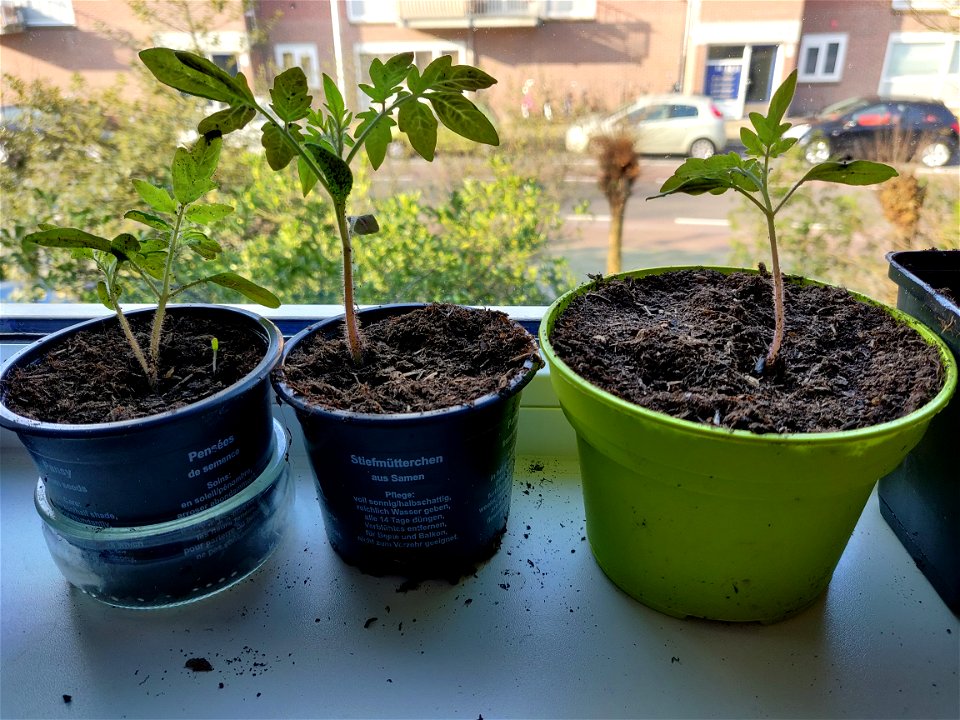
[(886, 129)]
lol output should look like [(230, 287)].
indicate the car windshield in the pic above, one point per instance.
[(837, 109)]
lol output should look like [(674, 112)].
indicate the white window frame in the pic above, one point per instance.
[(934, 6), (579, 9), (942, 85), (374, 12), (299, 50), (47, 13), (821, 41)]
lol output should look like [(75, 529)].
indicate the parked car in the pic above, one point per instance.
[(663, 124), (888, 129)]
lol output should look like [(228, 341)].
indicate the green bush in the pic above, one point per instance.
[(71, 162), (484, 243)]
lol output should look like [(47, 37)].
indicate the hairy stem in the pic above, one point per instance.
[(779, 314), (134, 345), (351, 324), (161, 312)]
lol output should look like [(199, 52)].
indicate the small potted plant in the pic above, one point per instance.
[(920, 500), (153, 430), (723, 472), (409, 411)]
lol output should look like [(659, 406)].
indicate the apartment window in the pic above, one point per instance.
[(371, 11), (48, 13), (922, 65), (570, 9), (822, 57), (303, 56)]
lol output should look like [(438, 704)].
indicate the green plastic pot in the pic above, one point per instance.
[(699, 521)]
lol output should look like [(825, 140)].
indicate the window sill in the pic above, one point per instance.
[(536, 631)]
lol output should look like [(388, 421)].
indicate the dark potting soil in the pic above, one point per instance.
[(686, 343), (434, 357), (94, 377)]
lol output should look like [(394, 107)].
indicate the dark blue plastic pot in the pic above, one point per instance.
[(163, 467), (413, 494), (920, 500)]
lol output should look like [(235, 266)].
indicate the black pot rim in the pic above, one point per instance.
[(18, 423), (287, 395)]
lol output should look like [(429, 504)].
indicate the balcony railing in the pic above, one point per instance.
[(469, 13)]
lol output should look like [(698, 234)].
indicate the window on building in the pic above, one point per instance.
[(229, 62), (371, 11), (922, 65), (47, 13), (822, 57), (301, 55)]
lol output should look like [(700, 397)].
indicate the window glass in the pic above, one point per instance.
[(830, 64), (916, 58), (683, 111), (513, 224)]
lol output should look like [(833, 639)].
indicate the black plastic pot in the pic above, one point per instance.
[(163, 467), (413, 494), (920, 500)]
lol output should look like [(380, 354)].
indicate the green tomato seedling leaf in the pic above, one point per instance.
[(69, 238), (279, 153), (125, 246), (156, 197), (291, 102), (245, 287), (335, 171), (208, 213), (191, 74), (379, 136), (104, 296), (416, 120), (157, 223), (463, 77), (463, 117), (858, 172), (307, 178), (193, 169), (226, 121), (202, 245)]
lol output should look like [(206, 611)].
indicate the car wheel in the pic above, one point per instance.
[(702, 148), (935, 154), (817, 151)]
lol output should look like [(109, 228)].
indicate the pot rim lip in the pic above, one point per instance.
[(907, 278), (925, 412), (19, 423), (167, 531), (286, 394)]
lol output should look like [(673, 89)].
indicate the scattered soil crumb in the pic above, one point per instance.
[(369, 622), (67, 699), (198, 665), (536, 466)]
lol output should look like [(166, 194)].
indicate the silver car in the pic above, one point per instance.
[(663, 125)]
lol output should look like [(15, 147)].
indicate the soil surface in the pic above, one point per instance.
[(432, 358), (94, 377), (686, 344)]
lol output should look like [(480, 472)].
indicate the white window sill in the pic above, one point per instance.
[(537, 631)]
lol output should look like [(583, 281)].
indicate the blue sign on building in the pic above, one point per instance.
[(723, 81)]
